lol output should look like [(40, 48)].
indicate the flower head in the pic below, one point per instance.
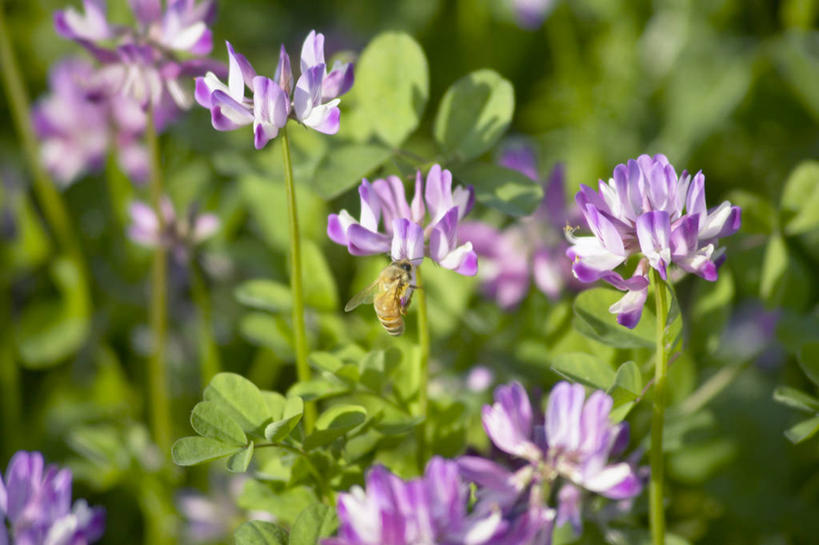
[(532, 247), (429, 509), (179, 233), (313, 101), (569, 454), (35, 500), (405, 232), (76, 123), (646, 209), (144, 61)]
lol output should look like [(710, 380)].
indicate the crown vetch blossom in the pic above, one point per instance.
[(645, 208), (314, 98), (36, 502), (76, 123), (532, 246), (144, 61), (404, 233), (180, 234), (569, 453), (429, 509)]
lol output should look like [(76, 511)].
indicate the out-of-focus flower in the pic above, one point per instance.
[(570, 453), (479, 378), (647, 209), (530, 14), (211, 518), (180, 233), (313, 101), (531, 247), (429, 509), (76, 124), (36, 503), (143, 62), (405, 234)]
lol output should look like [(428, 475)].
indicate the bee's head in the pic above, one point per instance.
[(406, 266)]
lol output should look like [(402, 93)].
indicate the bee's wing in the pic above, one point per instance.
[(367, 295)]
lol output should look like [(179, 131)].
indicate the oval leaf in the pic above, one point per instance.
[(333, 423), (474, 113), (240, 399), (800, 198), (312, 524), (344, 166), (265, 295), (291, 415), (502, 188), (257, 532), (585, 369), (190, 451), (593, 319), (239, 462), (209, 420), (392, 86)]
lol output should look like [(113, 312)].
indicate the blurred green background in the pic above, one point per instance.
[(729, 87)]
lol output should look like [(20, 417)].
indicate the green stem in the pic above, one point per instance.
[(326, 491), (423, 369), (10, 388), (299, 334), (655, 486), (50, 199), (157, 371), (208, 351)]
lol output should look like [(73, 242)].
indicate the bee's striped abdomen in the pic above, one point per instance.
[(393, 324), (388, 310)]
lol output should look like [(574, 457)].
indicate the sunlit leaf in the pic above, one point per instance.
[(502, 188), (314, 523), (210, 420), (190, 451), (257, 532), (240, 399)]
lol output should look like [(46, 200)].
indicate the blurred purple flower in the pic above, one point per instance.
[(531, 247), (479, 378), (404, 233), (530, 14), (142, 62), (76, 125), (647, 209), (35, 506), (312, 102), (568, 454), (429, 509), (180, 233)]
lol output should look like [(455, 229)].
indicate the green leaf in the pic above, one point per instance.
[(314, 523), (803, 430), (239, 462), (399, 427), (50, 331), (265, 295), (795, 55), (392, 86), (291, 415), (320, 291), (796, 399), (333, 423), (377, 366), (272, 332), (627, 387), (758, 213), (585, 369), (311, 390), (189, 451), (240, 399), (344, 166), (474, 113), (257, 532), (593, 319), (808, 358), (331, 363), (774, 265), (800, 199), (210, 420), (502, 188)]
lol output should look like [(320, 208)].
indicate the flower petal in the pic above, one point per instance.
[(407, 240)]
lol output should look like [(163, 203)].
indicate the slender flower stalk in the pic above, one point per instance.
[(157, 371), (423, 369), (209, 361), (655, 487), (299, 333), (53, 205)]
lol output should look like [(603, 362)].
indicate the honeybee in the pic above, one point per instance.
[(390, 294)]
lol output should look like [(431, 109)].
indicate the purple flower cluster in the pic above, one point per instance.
[(36, 503), (78, 122), (313, 101), (144, 62), (405, 236), (566, 455), (533, 246), (180, 233), (430, 509), (647, 209)]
